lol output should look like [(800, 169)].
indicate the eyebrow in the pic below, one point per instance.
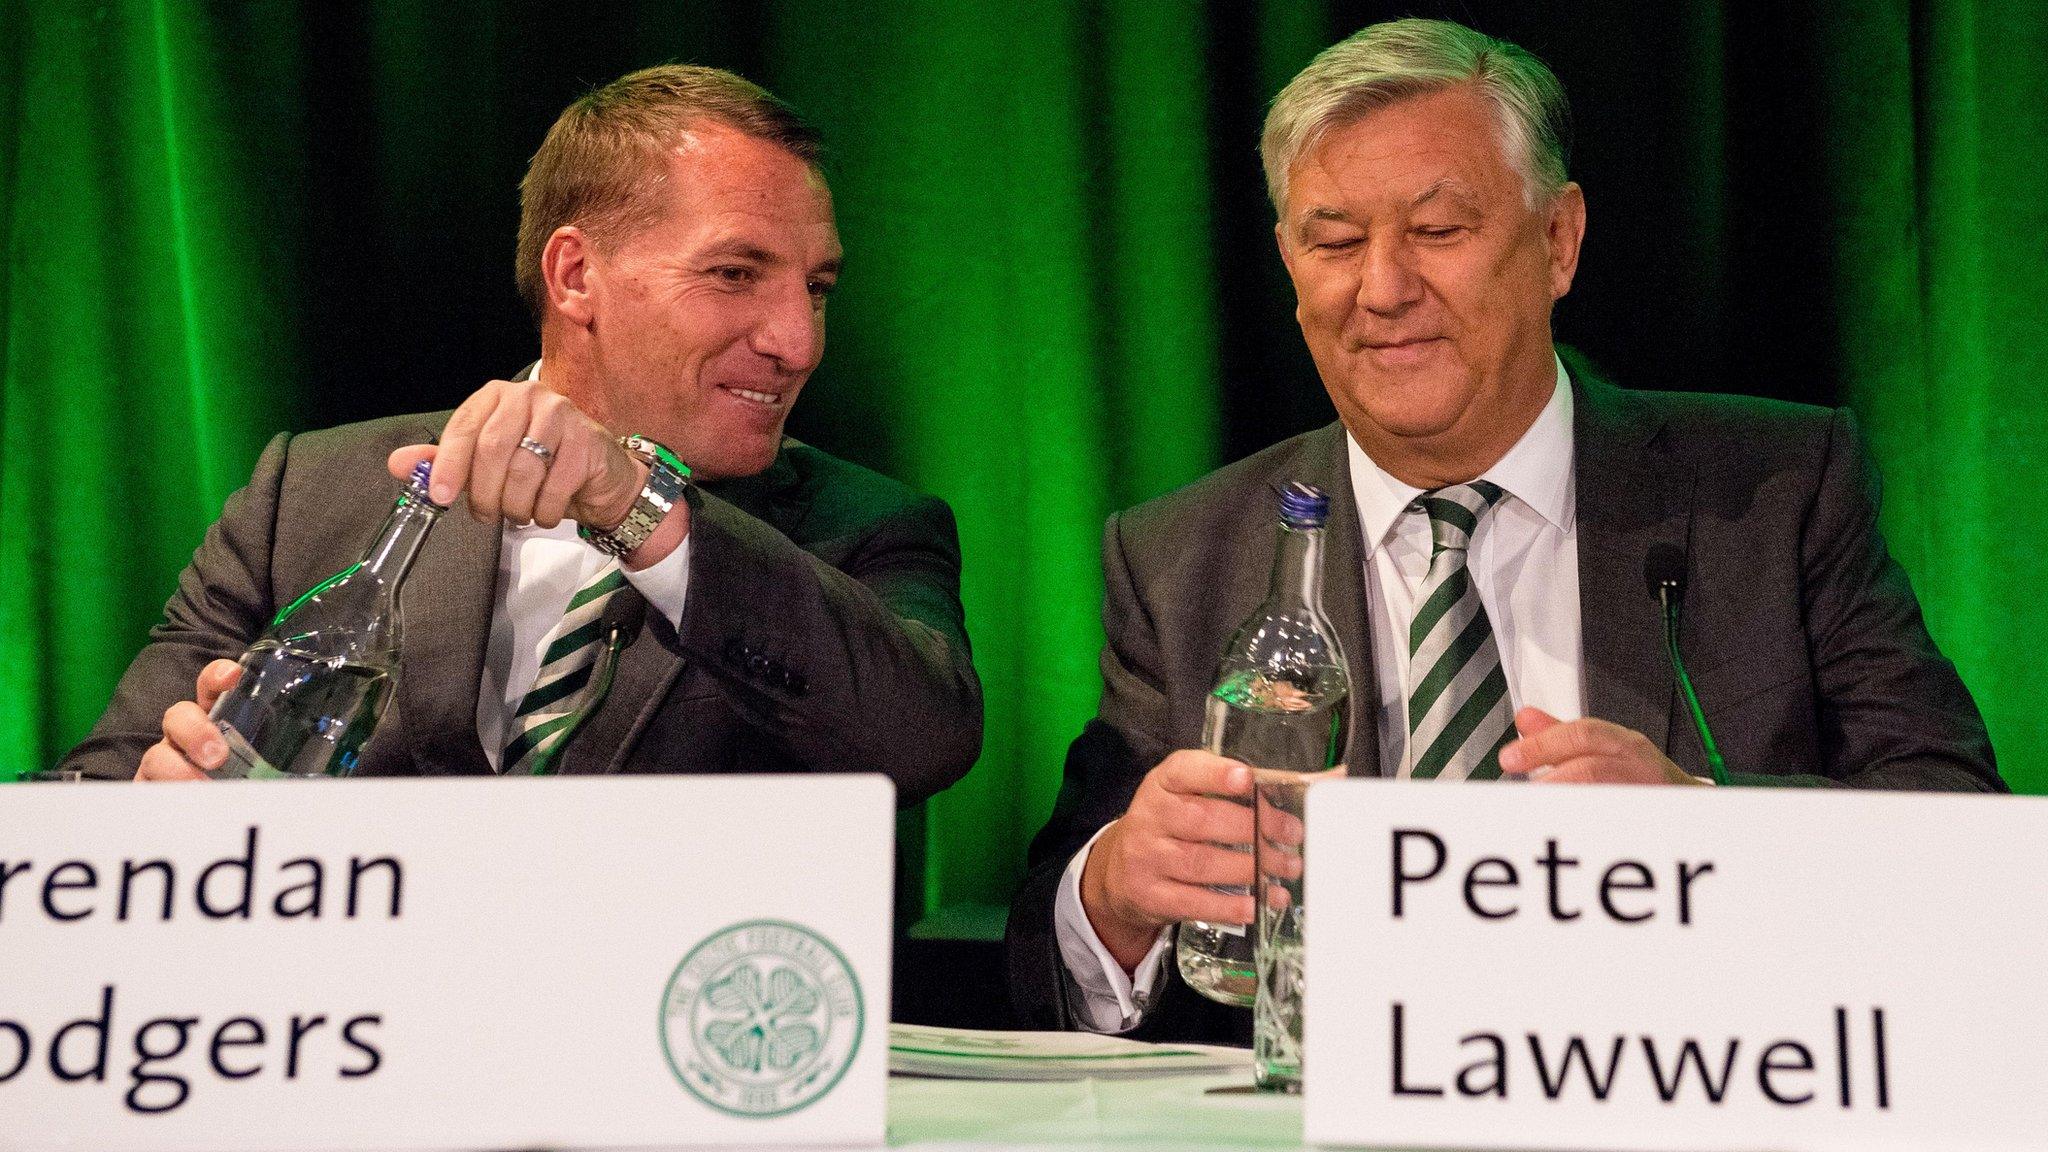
[(742, 250), (1320, 215), (1456, 188)]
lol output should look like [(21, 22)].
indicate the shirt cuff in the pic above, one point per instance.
[(1110, 1000), (665, 583)]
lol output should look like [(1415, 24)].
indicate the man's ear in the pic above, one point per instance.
[(1565, 231), (565, 268), (1280, 239)]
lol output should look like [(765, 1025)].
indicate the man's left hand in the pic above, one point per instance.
[(1555, 751)]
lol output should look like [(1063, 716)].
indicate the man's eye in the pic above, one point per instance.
[(1342, 245), (821, 289), (1438, 232), (735, 275)]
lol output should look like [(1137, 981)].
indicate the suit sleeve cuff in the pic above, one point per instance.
[(665, 583), (1109, 1001)]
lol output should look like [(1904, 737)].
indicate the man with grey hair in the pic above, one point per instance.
[(1494, 506)]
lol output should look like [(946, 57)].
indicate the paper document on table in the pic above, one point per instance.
[(972, 1054)]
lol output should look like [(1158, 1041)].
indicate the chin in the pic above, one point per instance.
[(734, 460), (1411, 412)]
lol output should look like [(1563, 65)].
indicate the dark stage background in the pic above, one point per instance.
[(1061, 297)]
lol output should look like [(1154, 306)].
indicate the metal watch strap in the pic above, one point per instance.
[(667, 477)]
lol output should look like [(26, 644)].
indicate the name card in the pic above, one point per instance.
[(416, 964), (1506, 966)]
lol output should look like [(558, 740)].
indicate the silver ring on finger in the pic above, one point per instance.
[(546, 454)]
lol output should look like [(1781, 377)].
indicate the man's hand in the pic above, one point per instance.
[(191, 743), (1155, 864), (1585, 752), (587, 477)]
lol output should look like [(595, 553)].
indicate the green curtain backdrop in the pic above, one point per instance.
[(1061, 297)]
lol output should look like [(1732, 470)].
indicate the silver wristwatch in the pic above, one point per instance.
[(667, 478)]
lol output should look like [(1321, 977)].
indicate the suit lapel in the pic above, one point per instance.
[(1325, 459), (649, 662), (447, 605), (1631, 496)]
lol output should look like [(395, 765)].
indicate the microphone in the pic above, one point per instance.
[(1664, 572)]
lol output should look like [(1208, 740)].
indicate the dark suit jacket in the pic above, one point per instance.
[(1801, 633), (822, 630)]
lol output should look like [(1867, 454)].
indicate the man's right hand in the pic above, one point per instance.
[(1155, 865), (191, 743)]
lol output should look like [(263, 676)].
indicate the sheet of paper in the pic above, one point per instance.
[(970, 1054)]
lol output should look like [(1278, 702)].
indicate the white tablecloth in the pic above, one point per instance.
[(1171, 1112)]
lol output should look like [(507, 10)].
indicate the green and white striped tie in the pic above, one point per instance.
[(563, 693), (1459, 715)]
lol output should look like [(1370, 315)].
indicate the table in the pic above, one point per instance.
[(1167, 1112)]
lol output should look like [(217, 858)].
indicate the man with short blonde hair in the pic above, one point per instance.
[(641, 573)]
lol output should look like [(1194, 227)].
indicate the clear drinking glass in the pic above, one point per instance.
[(1280, 862)]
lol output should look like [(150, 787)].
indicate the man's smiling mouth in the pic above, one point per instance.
[(770, 399)]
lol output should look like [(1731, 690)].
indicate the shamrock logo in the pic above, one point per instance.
[(756, 1027), (761, 1018)]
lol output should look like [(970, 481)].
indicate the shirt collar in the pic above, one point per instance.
[(1537, 471)]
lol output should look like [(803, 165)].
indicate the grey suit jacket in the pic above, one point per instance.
[(822, 632), (1801, 633)]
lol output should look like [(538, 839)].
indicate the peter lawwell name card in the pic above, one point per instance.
[(1500, 966)]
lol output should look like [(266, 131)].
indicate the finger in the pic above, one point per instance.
[(1561, 742), (193, 736), (402, 461), (458, 444), (526, 471), (214, 680), (565, 474), (1194, 773), (1279, 826), (1189, 862), (1176, 901), (1528, 722), (1202, 819), (496, 443), (162, 762), (1280, 862)]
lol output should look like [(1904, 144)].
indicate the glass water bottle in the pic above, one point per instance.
[(1278, 706), (315, 684)]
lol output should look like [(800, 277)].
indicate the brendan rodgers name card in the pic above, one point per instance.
[(414, 964), (1500, 966)]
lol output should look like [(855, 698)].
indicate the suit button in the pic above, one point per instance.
[(794, 682), (758, 665), (735, 652)]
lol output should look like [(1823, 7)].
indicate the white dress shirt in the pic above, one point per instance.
[(1524, 560), (539, 572)]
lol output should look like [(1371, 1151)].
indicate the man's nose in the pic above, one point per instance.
[(791, 330), (1389, 281)]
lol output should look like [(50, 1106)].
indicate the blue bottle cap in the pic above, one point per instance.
[(1303, 505), (416, 488)]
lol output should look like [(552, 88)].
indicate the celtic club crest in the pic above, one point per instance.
[(761, 1019)]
